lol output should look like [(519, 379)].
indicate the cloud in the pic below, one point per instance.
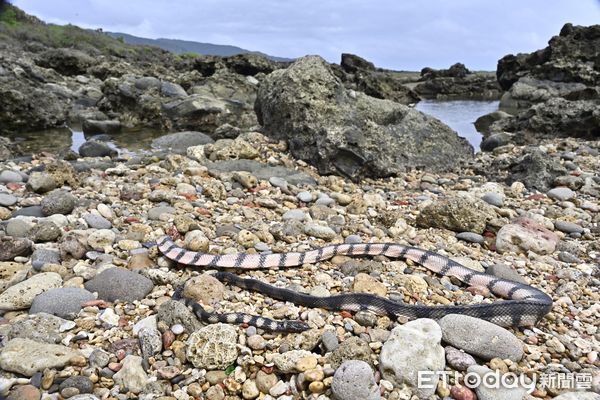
[(392, 34)]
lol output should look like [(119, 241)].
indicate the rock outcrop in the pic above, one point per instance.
[(349, 133), (555, 91), (457, 82), (361, 75)]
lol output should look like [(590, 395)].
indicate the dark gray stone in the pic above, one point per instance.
[(470, 237), (83, 383), (12, 247), (97, 221), (31, 211), (41, 257), (173, 312), (58, 202), (45, 231), (505, 272), (7, 199), (121, 284), (93, 148), (62, 302), (495, 140), (172, 90), (536, 170), (94, 127), (568, 227), (178, 142)]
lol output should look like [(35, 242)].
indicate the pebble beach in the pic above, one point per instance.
[(101, 321)]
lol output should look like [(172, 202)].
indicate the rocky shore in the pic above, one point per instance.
[(268, 157)]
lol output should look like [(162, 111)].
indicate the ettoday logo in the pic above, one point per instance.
[(510, 380)]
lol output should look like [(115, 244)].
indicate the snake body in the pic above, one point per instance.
[(524, 304)]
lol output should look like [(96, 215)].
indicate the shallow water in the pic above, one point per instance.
[(55, 140), (459, 115)]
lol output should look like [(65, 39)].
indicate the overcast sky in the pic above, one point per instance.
[(396, 34)]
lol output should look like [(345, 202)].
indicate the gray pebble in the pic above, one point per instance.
[(155, 212), (567, 227), (330, 341), (8, 176), (294, 214), (99, 358), (470, 237), (120, 283), (505, 272), (278, 182), (63, 302), (561, 193), (353, 239), (97, 221), (58, 202), (82, 383), (150, 342), (567, 257), (261, 246), (7, 199), (494, 199), (365, 318), (250, 331), (319, 231), (305, 197), (480, 338), (17, 227), (40, 257)]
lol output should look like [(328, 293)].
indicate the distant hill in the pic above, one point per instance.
[(186, 46)]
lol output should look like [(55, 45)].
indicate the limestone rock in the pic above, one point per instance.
[(11, 273), (26, 357), (350, 133), (525, 234), (213, 347), (413, 347), (459, 214), (131, 376), (21, 295), (354, 380)]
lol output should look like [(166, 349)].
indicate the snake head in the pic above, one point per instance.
[(295, 326)]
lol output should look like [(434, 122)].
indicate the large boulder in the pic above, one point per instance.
[(250, 64), (25, 106), (569, 57), (349, 133), (555, 91), (457, 82), (65, 61), (556, 117)]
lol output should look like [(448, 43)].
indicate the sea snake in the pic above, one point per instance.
[(524, 304)]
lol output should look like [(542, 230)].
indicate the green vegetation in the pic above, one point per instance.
[(19, 27), (8, 16), (190, 55)]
